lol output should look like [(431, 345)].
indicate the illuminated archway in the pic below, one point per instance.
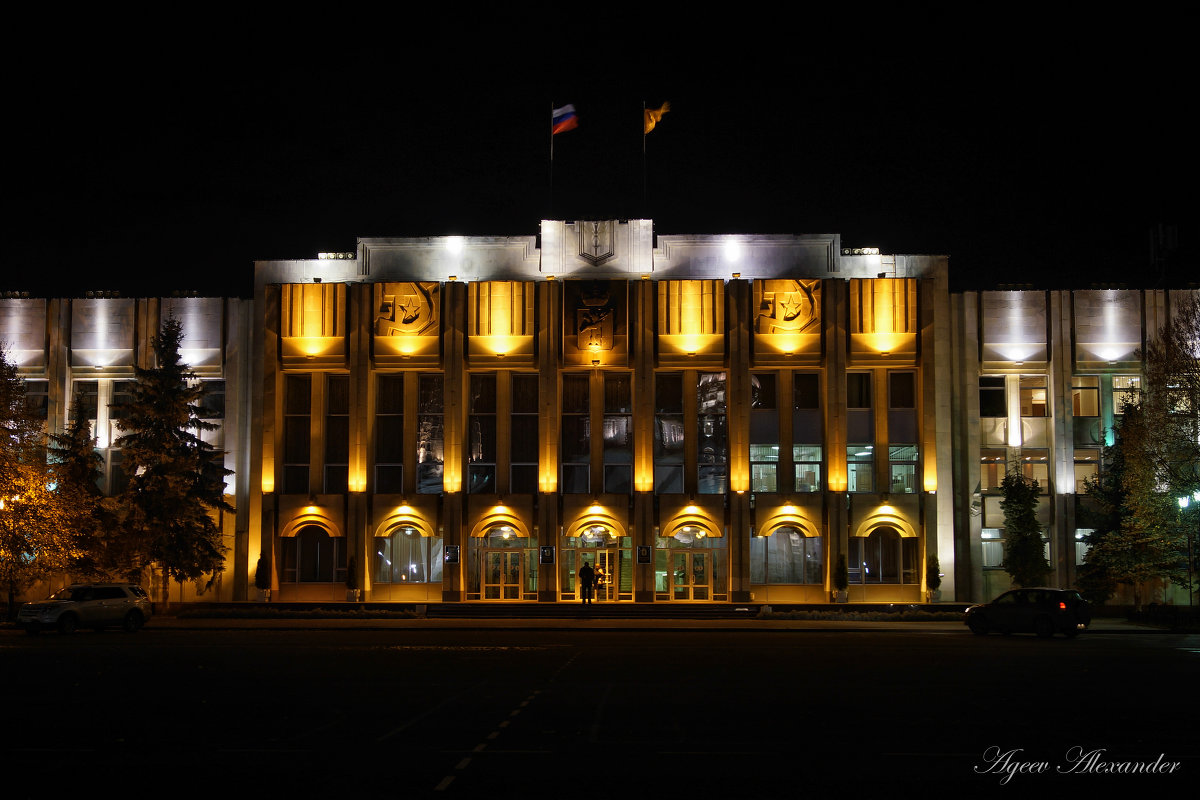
[(789, 517), (501, 517), (885, 517), (595, 520), (405, 517), (687, 524)]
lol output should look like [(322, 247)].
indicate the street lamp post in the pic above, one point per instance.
[(1184, 502)]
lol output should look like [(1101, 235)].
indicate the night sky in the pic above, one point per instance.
[(1045, 158)]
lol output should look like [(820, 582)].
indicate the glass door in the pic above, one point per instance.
[(503, 574), (691, 572), (605, 567)]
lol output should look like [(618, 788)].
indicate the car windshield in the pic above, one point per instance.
[(75, 593)]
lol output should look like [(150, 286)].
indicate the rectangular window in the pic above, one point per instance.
[(668, 433), (993, 465), (576, 451), (858, 390), (764, 433), (712, 438), (523, 447), (1087, 466), (389, 434), (1036, 464), (1127, 390), (431, 393), (1085, 396), (618, 433), (1033, 396), (860, 468), (902, 390), (992, 399), (37, 399), (902, 466), (993, 548), (481, 427), (337, 433), (807, 425), (297, 408), (806, 461)]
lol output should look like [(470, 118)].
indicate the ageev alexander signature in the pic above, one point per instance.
[(1007, 763)]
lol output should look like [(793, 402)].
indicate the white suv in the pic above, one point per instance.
[(88, 605)]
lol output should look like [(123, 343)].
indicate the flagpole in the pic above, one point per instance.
[(550, 210)]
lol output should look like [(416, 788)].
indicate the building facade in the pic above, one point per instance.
[(700, 418)]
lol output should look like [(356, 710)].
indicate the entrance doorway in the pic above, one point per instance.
[(691, 575), (503, 574), (605, 567)]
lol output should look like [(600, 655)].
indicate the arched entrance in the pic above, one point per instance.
[(691, 559), (502, 562), (597, 538)]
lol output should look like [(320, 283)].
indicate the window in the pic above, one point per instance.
[(993, 466), (1087, 466), (430, 433), (806, 461), (1083, 543), (37, 399), (389, 434), (858, 390), (668, 433), (764, 433), (902, 464), (337, 433), (481, 455), (313, 556), (408, 557), (297, 407), (860, 467), (902, 391), (1085, 396), (1033, 396), (576, 434), (806, 394), (618, 433), (713, 442), (787, 556), (523, 447), (992, 400), (993, 548), (1036, 464), (1126, 391), (883, 557)]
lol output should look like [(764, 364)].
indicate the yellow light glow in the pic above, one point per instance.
[(268, 481), (837, 483)]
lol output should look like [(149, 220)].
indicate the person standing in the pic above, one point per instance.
[(587, 577)]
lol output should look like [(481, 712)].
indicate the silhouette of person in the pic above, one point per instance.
[(587, 577)]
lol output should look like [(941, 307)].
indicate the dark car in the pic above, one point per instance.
[(88, 605), (1038, 609)]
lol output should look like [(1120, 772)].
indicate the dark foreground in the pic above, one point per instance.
[(506, 713)]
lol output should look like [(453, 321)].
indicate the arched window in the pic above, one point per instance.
[(408, 557), (787, 556), (313, 556)]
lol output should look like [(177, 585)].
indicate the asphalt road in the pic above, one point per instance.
[(565, 713)]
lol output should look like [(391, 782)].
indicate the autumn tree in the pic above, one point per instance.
[(1024, 553), (177, 480), (37, 532), (1171, 400)]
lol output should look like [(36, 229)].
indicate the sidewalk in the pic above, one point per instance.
[(1103, 625)]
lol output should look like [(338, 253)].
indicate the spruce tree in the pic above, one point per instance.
[(76, 468), (1024, 554), (177, 481)]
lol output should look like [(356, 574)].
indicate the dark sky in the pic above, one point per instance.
[(176, 163)]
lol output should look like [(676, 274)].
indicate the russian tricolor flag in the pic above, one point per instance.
[(563, 119)]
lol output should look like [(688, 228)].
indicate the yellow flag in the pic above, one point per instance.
[(652, 116)]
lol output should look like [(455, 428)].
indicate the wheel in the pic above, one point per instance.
[(133, 622), (1043, 627), (978, 625), (32, 631), (67, 624)]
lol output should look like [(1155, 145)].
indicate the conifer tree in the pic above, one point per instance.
[(1024, 553), (177, 481), (76, 468)]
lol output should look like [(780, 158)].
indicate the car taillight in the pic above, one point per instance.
[(1062, 606)]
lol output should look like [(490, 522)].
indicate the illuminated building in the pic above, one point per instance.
[(702, 418)]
